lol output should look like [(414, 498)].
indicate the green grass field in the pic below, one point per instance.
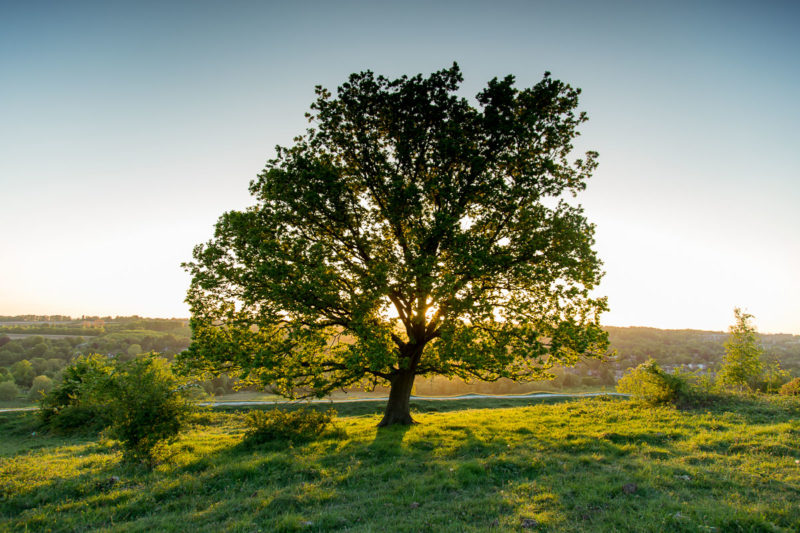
[(505, 465)]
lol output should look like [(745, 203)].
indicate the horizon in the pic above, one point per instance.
[(129, 129), (116, 317)]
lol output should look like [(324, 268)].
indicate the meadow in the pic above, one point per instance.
[(600, 464)]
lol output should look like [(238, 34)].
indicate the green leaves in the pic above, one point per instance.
[(741, 366), (407, 230)]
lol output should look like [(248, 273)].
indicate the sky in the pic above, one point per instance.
[(128, 128)]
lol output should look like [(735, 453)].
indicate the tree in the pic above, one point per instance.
[(741, 366), (40, 387), (134, 350), (8, 391), (407, 233), (23, 373)]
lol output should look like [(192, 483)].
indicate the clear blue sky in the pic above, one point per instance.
[(126, 129)]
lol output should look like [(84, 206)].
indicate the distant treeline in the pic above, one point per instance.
[(89, 325), (35, 318), (699, 351), (34, 357), (694, 350), (46, 329), (635, 345)]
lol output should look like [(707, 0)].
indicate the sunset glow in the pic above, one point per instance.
[(127, 131)]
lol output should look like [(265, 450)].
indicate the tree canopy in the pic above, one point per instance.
[(407, 232)]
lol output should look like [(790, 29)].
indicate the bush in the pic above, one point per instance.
[(277, 425), (141, 401), (148, 406), (591, 381), (8, 391), (40, 387), (570, 380), (79, 401), (792, 388), (648, 383), (772, 378)]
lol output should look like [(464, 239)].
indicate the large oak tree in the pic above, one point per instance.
[(408, 232)]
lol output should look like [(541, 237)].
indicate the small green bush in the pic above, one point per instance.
[(148, 406), (79, 401), (791, 388), (141, 401), (277, 425), (648, 383), (8, 391), (772, 378), (40, 387)]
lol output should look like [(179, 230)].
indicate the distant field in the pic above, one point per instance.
[(587, 465), (25, 335)]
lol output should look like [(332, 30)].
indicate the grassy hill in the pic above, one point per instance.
[(588, 465)]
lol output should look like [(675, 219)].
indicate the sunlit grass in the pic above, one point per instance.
[(589, 465)]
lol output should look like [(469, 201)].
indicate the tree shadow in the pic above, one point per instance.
[(450, 477), (750, 409)]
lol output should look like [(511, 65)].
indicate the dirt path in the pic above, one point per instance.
[(421, 398), (383, 399)]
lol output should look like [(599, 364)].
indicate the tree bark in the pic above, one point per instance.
[(397, 408)]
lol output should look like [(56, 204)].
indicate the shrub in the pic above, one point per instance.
[(8, 391), (792, 388), (570, 380), (648, 383), (141, 401), (590, 381), (772, 377), (79, 401), (148, 406), (40, 387), (277, 425)]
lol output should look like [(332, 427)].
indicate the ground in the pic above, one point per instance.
[(588, 465)]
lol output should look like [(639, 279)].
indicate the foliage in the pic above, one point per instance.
[(742, 366), (40, 387), (301, 425), (147, 405), (8, 391), (791, 388), (134, 350), (648, 383), (772, 377), (23, 373), (79, 401), (407, 233), (113, 336), (141, 401), (46, 329)]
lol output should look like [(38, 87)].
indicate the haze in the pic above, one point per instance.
[(128, 129)]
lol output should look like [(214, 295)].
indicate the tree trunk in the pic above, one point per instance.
[(397, 408)]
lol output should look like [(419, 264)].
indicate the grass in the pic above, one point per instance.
[(587, 465)]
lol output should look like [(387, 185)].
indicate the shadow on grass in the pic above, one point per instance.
[(753, 409), (462, 474)]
